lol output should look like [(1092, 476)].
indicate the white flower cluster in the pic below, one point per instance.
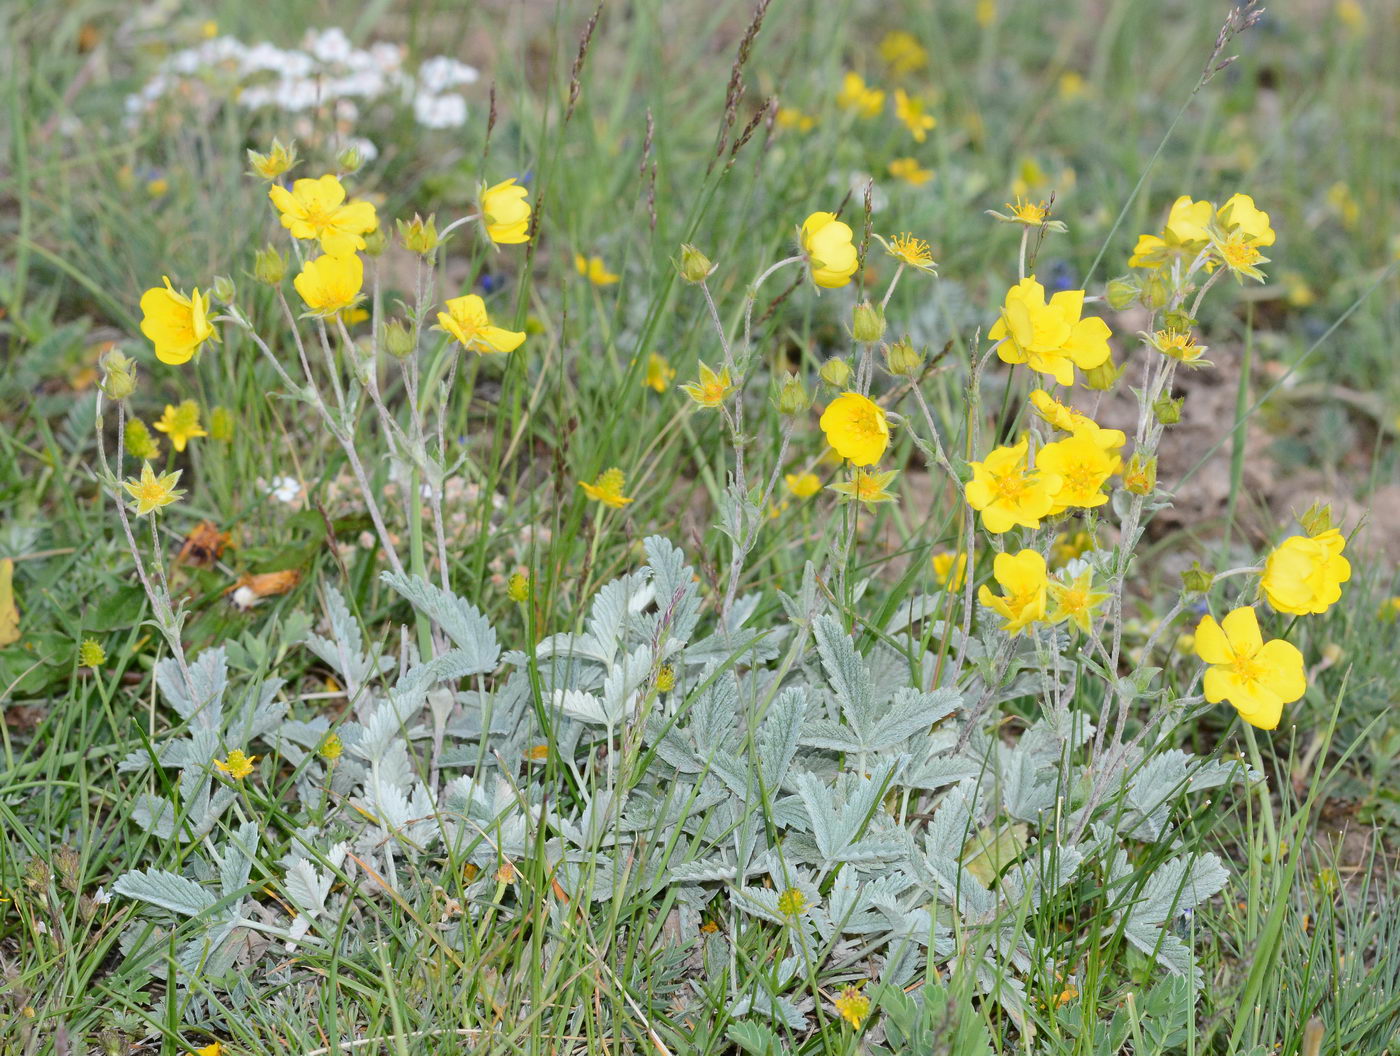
[(326, 71)]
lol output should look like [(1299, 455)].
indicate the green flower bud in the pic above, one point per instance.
[(118, 377), (1168, 410), (1122, 292), (1140, 475), (902, 359), (1104, 376), (1156, 291), (1317, 519), (1196, 579), (375, 242), (419, 236), (349, 160), (867, 323), (1177, 320), (792, 396), (224, 290), (269, 266), (836, 373), (397, 339), (694, 266)]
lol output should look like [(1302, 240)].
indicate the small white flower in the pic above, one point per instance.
[(244, 598), (442, 72), (284, 489), (440, 111), (101, 897), (330, 45)]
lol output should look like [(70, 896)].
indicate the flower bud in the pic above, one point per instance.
[(867, 323), (397, 339), (1156, 292), (902, 359), (349, 160), (792, 397), (269, 266), (375, 242), (275, 162), (836, 373), (1104, 376), (1177, 319), (1122, 292), (91, 654), (118, 375), (1140, 475), (224, 290), (518, 587), (419, 236), (1317, 519), (1168, 410), (1196, 579), (694, 266)]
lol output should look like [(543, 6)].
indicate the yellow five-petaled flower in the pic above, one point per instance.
[(330, 284), (856, 427), (505, 214), (830, 250), (151, 492), (594, 270), (1257, 677), (1008, 492), (317, 209), (1049, 337), (607, 489), (176, 323), (237, 766), (466, 320), (712, 389), (180, 423), (1024, 583)]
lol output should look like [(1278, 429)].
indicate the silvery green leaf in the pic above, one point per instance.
[(236, 862), (673, 583), (167, 890), (459, 619), (307, 887), (773, 1006), (585, 707), (755, 1038), (846, 672), (830, 735), (154, 814), (201, 702), (778, 736), (909, 713)]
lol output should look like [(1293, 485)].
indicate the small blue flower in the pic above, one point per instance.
[(1061, 276), (489, 283)]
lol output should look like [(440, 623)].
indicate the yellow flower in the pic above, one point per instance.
[(181, 424), (505, 213), (329, 284), (1305, 574), (1240, 215), (1024, 583), (1083, 467), (910, 111), (518, 587), (1255, 676), (152, 492), (212, 1049), (792, 902), (331, 747), (607, 489), (852, 1006), (1076, 600), (1185, 234), (867, 487), (318, 209), (1071, 85), (1180, 345), (712, 388), (911, 251), (237, 766), (275, 162), (856, 427), (910, 171), (1065, 418), (1344, 204), (175, 323), (802, 485), (1050, 338), (950, 569), (830, 251), (467, 321), (1351, 14), (855, 95), (659, 373), (901, 51), (666, 678), (1024, 211), (1241, 255), (1007, 492), (986, 12), (791, 117), (139, 441), (91, 654), (594, 270)]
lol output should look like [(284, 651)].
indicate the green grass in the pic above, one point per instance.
[(1305, 109)]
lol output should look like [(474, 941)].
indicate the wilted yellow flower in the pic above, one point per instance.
[(1304, 574), (852, 1006), (139, 441), (181, 423), (911, 112), (665, 678), (712, 389), (910, 171), (1083, 467), (151, 492), (901, 51), (950, 569), (792, 902), (1029, 213), (1007, 492), (855, 95), (594, 270), (537, 753), (329, 284), (866, 487), (659, 372), (278, 160), (1257, 677), (911, 251), (857, 428), (1240, 254), (237, 766), (1050, 338), (1180, 345), (91, 654), (331, 747), (466, 320), (791, 117), (607, 489), (1140, 475), (1076, 600), (1024, 583), (802, 485), (505, 213), (518, 587), (694, 266), (318, 209), (175, 323), (830, 251)]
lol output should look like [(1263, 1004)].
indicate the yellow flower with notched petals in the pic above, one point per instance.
[(866, 487), (175, 323), (1076, 600), (330, 284), (802, 485), (181, 424), (856, 427), (1024, 583), (712, 389), (318, 209), (1049, 337), (1240, 214), (212, 1049), (505, 213), (1007, 492), (1304, 574), (901, 51), (910, 171), (659, 373), (1184, 234), (152, 492), (855, 95), (1083, 467), (1065, 418), (830, 249), (852, 1006), (467, 321), (594, 270), (607, 489), (950, 569), (912, 114), (237, 766), (910, 251), (1257, 677)]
